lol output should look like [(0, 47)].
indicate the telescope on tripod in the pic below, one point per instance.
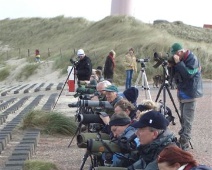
[(143, 78)]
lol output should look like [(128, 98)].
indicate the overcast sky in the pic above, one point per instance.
[(190, 12)]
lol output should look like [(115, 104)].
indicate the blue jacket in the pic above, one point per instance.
[(201, 167), (188, 77), (149, 153), (118, 159)]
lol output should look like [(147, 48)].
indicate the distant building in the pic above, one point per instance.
[(207, 26), (122, 7)]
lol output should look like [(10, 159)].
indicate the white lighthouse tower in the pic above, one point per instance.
[(122, 7)]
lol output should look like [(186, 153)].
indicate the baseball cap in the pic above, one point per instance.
[(152, 119), (176, 47), (111, 88), (80, 52)]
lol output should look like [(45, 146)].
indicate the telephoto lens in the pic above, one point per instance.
[(83, 137), (89, 118)]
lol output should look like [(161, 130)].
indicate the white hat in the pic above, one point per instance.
[(80, 52)]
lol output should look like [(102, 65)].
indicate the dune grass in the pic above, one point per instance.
[(58, 39), (50, 122)]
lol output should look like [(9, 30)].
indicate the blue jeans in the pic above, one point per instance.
[(129, 74)]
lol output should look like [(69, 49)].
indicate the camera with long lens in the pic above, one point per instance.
[(142, 60), (94, 122), (83, 90), (121, 145), (84, 137), (74, 62), (162, 58), (85, 103)]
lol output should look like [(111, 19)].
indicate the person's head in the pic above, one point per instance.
[(112, 53), (80, 54), (111, 93), (123, 105), (177, 49), (146, 106), (131, 94), (118, 123), (172, 158), (101, 86), (150, 126), (131, 51)]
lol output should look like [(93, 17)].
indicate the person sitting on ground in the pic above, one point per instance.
[(119, 124), (101, 94), (124, 105), (112, 94), (154, 136), (174, 158), (145, 106), (131, 94)]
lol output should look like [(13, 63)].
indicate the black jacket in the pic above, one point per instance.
[(84, 69), (108, 68)]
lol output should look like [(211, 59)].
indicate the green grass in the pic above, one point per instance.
[(58, 39), (4, 73), (27, 71), (39, 165), (50, 122)]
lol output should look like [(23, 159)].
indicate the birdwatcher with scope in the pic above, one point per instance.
[(83, 67)]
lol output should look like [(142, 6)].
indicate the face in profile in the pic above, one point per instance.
[(166, 166)]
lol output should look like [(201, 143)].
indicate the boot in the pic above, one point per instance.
[(184, 144)]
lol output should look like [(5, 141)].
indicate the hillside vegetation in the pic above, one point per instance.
[(58, 38)]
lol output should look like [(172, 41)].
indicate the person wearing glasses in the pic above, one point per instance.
[(84, 66)]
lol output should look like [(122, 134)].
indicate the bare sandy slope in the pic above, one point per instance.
[(44, 73)]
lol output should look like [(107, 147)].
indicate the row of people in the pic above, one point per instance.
[(152, 127)]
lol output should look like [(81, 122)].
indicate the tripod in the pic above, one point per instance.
[(65, 84), (165, 87), (144, 82)]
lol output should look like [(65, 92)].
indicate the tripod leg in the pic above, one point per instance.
[(138, 79), (161, 87), (176, 110), (146, 85), (85, 157), (63, 87), (78, 130)]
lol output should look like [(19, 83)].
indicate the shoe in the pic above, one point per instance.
[(184, 144)]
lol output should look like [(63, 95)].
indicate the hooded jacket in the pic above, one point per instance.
[(188, 78)]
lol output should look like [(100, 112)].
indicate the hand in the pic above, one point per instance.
[(106, 119), (176, 58)]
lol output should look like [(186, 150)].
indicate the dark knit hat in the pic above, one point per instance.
[(120, 119), (152, 119), (131, 94)]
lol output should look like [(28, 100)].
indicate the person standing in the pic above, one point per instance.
[(187, 75), (130, 66), (109, 66), (83, 67), (37, 56)]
